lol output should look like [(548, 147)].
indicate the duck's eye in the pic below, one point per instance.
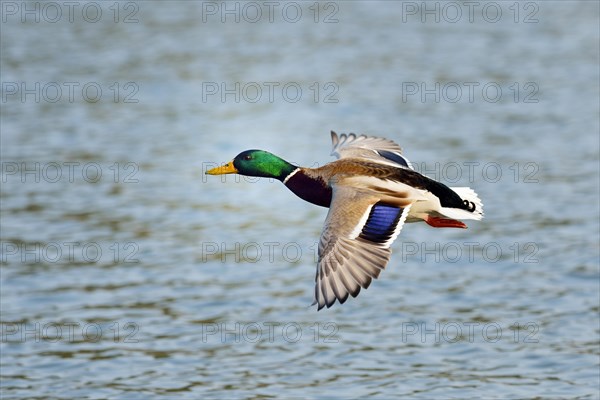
[(248, 157)]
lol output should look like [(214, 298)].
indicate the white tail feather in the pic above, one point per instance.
[(468, 194)]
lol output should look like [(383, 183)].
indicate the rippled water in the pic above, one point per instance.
[(128, 273)]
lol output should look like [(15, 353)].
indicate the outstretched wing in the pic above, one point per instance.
[(368, 147), (355, 243)]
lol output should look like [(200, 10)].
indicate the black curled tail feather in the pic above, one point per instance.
[(448, 197), (470, 206)]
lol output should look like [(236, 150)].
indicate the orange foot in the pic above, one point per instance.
[(437, 222)]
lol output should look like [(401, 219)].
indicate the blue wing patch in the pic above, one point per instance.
[(381, 224), (395, 157)]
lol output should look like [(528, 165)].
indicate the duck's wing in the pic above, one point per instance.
[(368, 147), (355, 244)]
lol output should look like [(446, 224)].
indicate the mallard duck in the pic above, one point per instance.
[(371, 190)]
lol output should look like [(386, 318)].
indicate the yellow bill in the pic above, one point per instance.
[(224, 169)]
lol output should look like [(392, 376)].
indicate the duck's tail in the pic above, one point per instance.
[(472, 202)]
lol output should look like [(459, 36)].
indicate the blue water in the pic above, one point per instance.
[(128, 273)]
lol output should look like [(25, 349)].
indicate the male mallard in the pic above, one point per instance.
[(370, 191)]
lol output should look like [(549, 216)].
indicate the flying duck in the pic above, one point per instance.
[(371, 191)]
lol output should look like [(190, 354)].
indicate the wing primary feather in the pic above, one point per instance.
[(349, 283), (336, 291), (328, 294), (360, 277)]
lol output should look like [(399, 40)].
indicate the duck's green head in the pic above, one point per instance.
[(256, 163)]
